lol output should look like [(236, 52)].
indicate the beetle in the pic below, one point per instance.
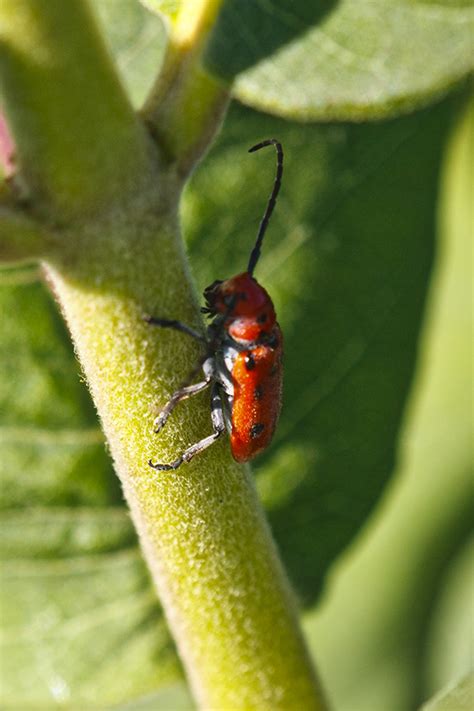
[(242, 362)]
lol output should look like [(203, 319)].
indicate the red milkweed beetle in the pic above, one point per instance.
[(243, 356)]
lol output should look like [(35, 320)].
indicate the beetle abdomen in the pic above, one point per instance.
[(257, 379)]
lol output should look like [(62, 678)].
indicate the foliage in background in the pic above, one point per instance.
[(367, 60), (400, 601), (348, 261)]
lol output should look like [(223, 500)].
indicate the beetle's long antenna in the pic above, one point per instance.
[(254, 256)]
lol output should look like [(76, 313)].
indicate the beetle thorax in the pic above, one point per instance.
[(245, 306)]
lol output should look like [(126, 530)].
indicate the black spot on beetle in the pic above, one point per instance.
[(262, 318), (230, 300), (256, 429), (258, 392), (273, 341), (250, 362)]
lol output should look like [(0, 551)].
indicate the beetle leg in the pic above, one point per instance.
[(218, 426), (181, 394), (177, 325)]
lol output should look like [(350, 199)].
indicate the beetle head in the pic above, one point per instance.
[(245, 305)]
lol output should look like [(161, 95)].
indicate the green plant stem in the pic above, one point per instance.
[(186, 103), (202, 528), (20, 237), (77, 138)]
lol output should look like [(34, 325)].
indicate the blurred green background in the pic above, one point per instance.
[(368, 485)]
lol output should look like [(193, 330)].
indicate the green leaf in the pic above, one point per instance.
[(173, 697), (457, 698), (347, 260), (311, 60), (80, 620), (168, 8), (394, 626), (48, 425), (341, 60), (450, 647), (137, 39)]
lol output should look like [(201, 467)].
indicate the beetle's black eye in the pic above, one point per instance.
[(212, 288), (210, 294), (230, 301)]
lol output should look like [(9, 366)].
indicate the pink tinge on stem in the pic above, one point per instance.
[(7, 148)]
